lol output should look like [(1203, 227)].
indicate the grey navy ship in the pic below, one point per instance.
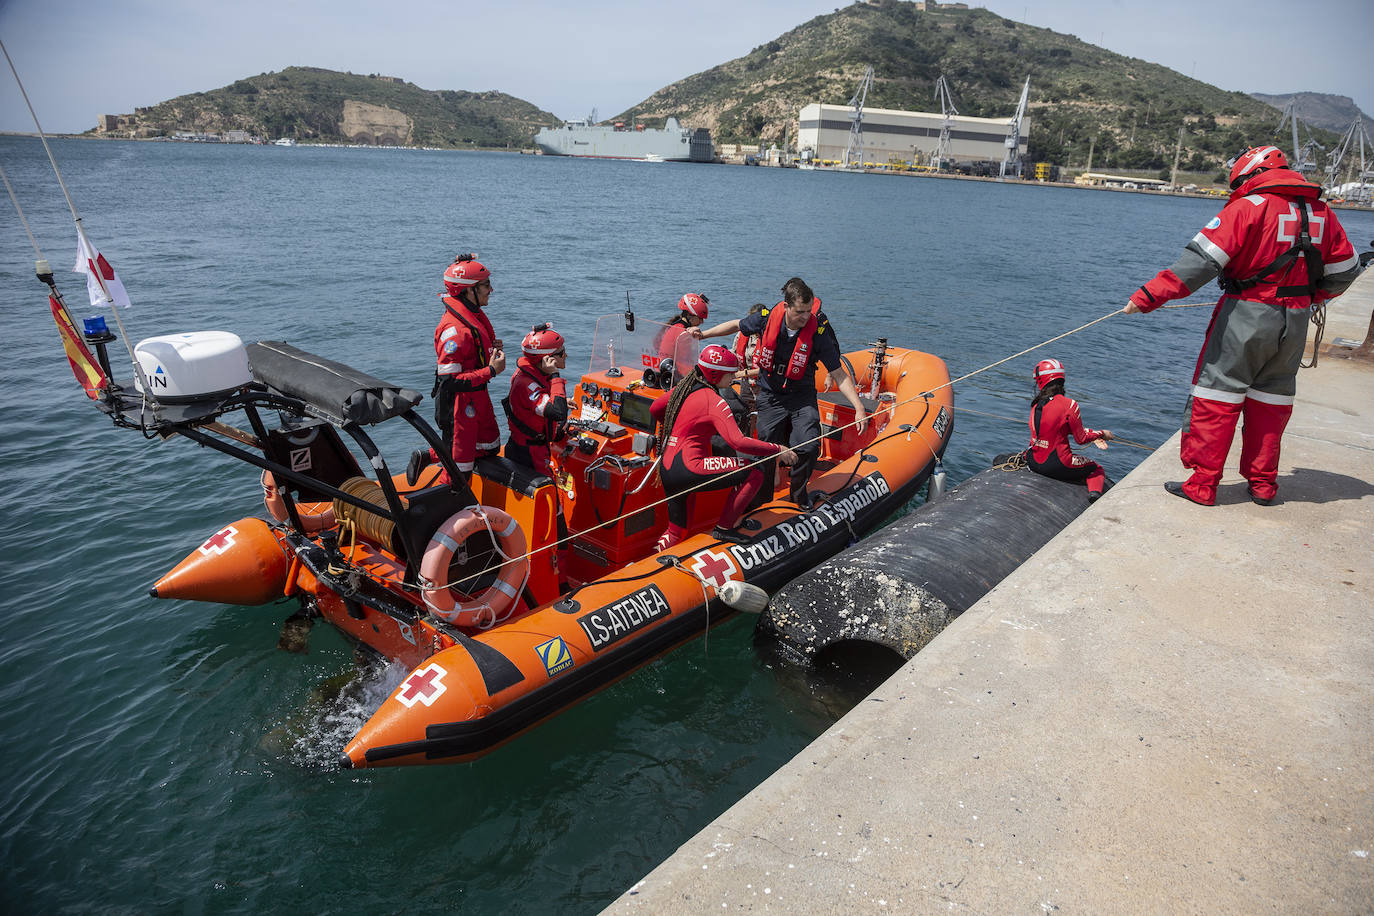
[(674, 143)]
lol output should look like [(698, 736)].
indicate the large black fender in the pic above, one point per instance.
[(900, 587)]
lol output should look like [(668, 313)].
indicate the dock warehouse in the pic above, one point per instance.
[(894, 135)]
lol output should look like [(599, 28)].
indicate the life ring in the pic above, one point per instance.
[(314, 516), (493, 604)]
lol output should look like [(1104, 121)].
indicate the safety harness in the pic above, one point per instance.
[(1316, 268), (1303, 247)]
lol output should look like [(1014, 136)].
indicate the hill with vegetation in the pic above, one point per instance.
[(311, 104), (1127, 111)]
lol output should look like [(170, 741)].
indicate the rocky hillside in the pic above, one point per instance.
[(1129, 110), (1329, 112), (322, 105)]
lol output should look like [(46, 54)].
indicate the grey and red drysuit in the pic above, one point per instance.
[(1278, 250), (463, 342), (1051, 424), (537, 411), (690, 467)]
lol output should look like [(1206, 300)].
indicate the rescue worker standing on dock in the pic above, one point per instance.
[(468, 355), (1280, 252), (794, 336)]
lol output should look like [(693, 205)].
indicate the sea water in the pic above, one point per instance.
[(165, 755)]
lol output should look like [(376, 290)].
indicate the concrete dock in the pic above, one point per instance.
[(1169, 708)]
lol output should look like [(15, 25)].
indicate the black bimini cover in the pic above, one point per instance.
[(339, 392)]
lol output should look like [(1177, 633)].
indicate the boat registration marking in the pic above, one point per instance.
[(607, 625)]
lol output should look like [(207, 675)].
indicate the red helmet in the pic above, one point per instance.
[(1254, 160), (694, 304), (466, 271), (716, 362), (1046, 371), (542, 340)]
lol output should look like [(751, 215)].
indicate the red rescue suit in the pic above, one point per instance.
[(1051, 424), (538, 414), (689, 466), (1249, 360), (462, 345)]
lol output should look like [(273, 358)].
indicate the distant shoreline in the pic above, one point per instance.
[(884, 172)]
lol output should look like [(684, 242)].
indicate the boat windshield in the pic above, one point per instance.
[(640, 349)]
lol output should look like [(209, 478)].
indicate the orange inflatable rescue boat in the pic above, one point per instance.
[(459, 583)]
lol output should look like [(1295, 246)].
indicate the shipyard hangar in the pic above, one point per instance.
[(894, 135)]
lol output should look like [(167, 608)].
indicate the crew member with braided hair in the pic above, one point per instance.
[(691, 413), (1053, 418)]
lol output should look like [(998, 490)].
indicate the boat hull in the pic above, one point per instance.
[(486, 689)]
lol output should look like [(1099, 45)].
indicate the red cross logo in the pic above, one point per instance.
[(424, 685), (220, 541), (715, 568), (1288, 226)]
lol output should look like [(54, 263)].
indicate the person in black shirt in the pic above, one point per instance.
[(793, 336)]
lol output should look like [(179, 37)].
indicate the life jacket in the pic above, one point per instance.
[(1302, 247), (801, 352), (476, 324), (1272, 181), (553, 430)]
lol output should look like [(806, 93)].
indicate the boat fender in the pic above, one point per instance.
[(495, 602), (314, 516), (937, 482), (743, 597), (901, 586)]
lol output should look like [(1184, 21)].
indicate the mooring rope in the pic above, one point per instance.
[(891, 407)]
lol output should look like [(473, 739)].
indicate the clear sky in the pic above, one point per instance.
[(82, 58)]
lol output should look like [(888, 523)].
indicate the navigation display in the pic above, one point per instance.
[(634, 412)]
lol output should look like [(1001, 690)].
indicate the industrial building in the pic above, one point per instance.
[(895, 135)]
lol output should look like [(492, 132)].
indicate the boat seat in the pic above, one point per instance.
[(426, 510)]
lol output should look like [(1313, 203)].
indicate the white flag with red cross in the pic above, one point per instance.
[(102, 283)]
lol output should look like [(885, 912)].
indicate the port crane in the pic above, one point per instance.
[(1303, 160), (1011, 162), (1356, 134), (943, 155), (856, 117)]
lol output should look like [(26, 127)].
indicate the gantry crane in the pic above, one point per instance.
[(943, 154), (1011, 162), (1303, 160), (856, 117)]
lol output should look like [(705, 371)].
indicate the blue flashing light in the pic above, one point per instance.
[(95, 326)]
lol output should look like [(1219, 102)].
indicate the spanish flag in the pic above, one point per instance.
[(84, 366)]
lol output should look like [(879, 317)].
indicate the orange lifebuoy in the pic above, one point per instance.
[(489, 606), (314, 516)]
